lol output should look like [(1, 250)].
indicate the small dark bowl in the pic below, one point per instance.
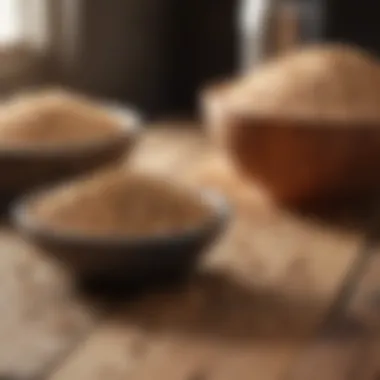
[(25, 168), (121, 259)]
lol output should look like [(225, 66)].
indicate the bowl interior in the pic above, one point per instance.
[(217, 106), (24, 218), (128, 123)]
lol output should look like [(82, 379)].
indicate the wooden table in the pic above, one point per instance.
[(281, 296)]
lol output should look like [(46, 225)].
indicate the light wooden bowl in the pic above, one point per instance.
[(296, 160)]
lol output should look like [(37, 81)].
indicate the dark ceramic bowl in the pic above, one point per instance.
[(22, 169), (120, 258)]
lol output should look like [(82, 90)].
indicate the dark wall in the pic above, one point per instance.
[(124, 50), (354, 21), (205, 46), (154, 53)]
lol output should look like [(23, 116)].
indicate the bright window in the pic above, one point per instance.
[(10, 21)]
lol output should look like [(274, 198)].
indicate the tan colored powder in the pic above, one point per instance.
[(324, 82), (54, 117), (118, 203)]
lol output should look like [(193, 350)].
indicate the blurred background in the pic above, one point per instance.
[(157, 54)]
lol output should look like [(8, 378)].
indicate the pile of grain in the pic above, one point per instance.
[(334, 82), (119, 203), (54, 117)]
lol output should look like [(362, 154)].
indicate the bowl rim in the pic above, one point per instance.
[(214, 94), (23, 220), (130, 126)]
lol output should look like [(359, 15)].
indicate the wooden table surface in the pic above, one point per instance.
[(281, 296)]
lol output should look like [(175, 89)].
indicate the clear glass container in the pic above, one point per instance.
[(272, 27)]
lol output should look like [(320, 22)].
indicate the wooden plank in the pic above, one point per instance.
[(369, 366), (40, 318), (330, 357), (259, 295), (170, 150), (364, 307), (250, 312), (349, 347)]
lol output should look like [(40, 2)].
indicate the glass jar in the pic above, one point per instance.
[(272, 27)]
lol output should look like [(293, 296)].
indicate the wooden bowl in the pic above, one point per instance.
[(296, 161), (121, 259), (25, 168)]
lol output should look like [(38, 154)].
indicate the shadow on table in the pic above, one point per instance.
[(216, 306), (351, 214)]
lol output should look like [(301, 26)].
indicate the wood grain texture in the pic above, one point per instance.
[(41, 318), (349, 347), (258, 297)]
